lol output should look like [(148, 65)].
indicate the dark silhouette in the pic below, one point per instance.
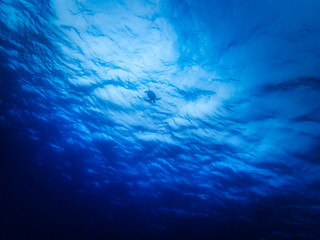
[(152, 97)]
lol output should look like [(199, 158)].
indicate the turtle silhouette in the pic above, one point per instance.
[(152, 97)]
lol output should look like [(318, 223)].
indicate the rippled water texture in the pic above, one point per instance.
[(230, 148)]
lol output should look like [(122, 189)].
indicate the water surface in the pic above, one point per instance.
[(230, 151)]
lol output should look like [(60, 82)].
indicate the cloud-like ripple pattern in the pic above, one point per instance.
[(239, 117)]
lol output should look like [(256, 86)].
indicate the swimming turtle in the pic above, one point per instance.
[(152, 96)]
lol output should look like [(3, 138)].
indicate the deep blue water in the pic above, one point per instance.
[(231, 150)]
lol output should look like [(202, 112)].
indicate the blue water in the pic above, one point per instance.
[(230, 150)]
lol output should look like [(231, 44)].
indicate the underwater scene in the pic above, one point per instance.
[(159, 119)]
